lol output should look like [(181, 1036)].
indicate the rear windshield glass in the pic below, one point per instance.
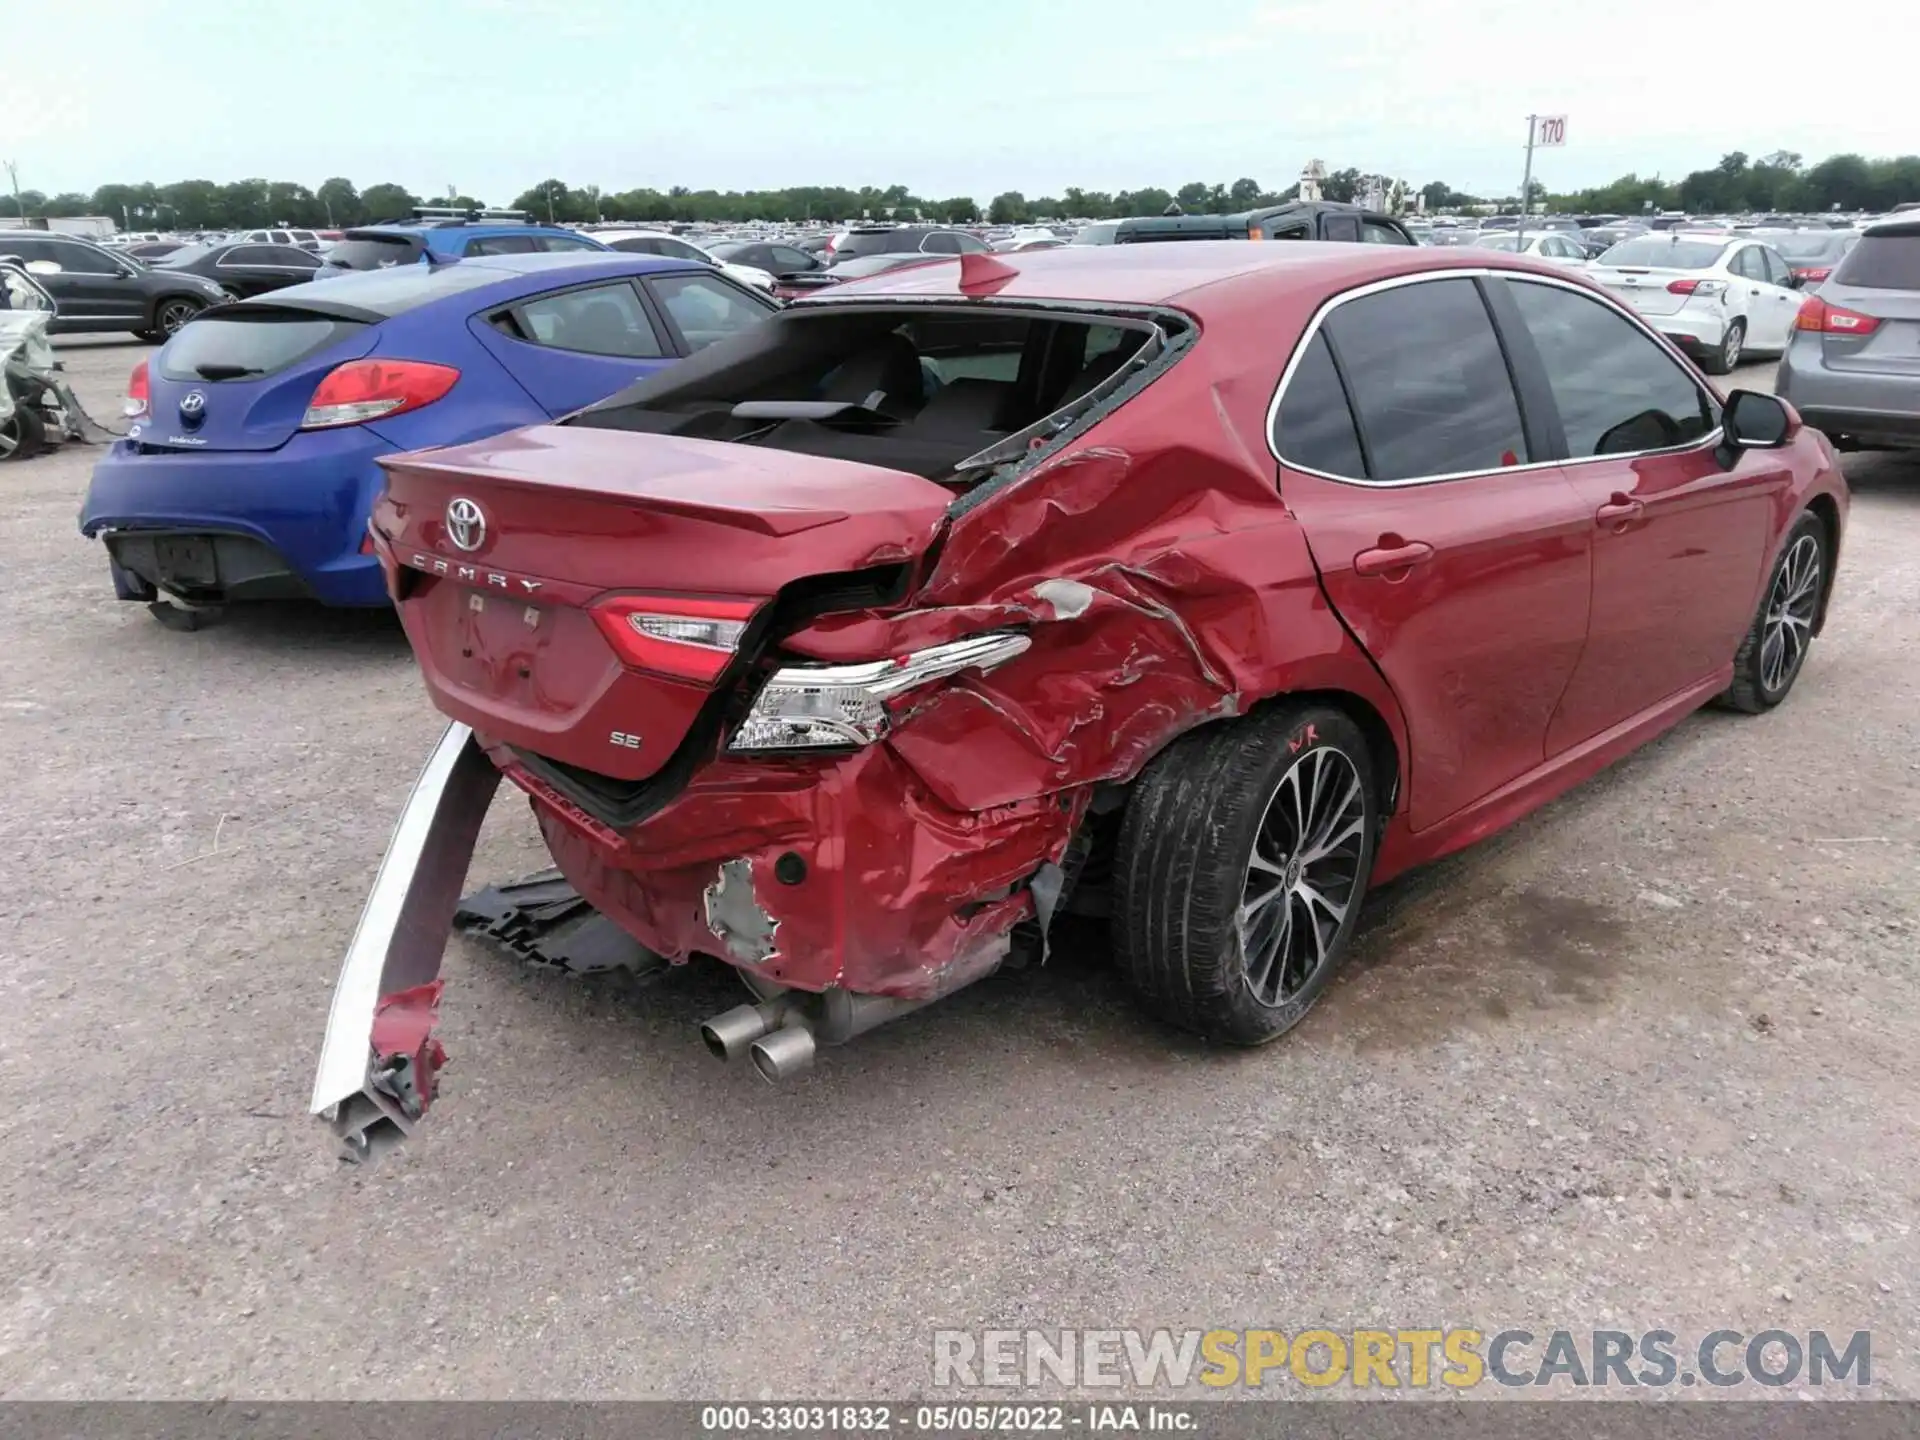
[(1807, 244), (185, 255), (869, 242), (1883, 262), (1097, 234), (1668, 254), (245, 347), (368, 252)]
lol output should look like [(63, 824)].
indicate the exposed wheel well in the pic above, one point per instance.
[(1822, 508), (1381, 749)]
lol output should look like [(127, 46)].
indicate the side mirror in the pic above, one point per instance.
[(1753, 420)]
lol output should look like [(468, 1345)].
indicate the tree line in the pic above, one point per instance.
[(1778, 181)]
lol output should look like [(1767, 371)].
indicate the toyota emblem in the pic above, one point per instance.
[(466, 523)]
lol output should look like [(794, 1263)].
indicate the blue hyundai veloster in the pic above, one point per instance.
[(250, 465)]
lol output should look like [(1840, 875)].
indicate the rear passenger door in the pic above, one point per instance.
[(569, 348), (1445, 536), (1678, 539)]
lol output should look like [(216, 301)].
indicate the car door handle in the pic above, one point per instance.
[(1619, 512), (1383, 560)]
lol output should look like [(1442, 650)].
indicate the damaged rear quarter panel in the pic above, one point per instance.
[(1163, 580)]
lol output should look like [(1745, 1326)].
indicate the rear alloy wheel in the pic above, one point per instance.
[(172, 314), (1776, 647), (1242, 865), (1732, 344)]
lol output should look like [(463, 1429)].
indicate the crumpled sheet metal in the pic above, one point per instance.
[(901, 896), (1151, 589), (26, 354)]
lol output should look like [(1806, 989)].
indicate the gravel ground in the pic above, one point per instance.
[(1645, 1061)]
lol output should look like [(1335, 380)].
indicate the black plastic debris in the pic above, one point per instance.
[(543, 920)]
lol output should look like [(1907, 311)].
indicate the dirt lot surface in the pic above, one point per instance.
[(1647, 1061)]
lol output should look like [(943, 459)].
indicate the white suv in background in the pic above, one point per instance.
[(1718, 297)]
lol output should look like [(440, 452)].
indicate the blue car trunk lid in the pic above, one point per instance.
[(240, 377)]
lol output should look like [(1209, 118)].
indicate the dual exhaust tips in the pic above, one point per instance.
[(778, 1050), (781, 1034)]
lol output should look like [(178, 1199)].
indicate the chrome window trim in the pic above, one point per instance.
[(1332, 303)]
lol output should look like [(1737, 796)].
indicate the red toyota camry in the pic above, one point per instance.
[(1199, 585)]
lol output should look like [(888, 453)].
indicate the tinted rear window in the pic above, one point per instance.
[(868, 243), (1807, 244), (367, 252), (1883, 262), (1669, 254), (217, 346)]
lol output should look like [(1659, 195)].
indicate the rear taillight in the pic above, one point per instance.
[(1817, 315), (1696, 287), (1811, 277), (363, 390), (683, 637), (139, 393)]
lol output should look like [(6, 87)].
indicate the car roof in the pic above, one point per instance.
[(1199, 276), (372, 291)]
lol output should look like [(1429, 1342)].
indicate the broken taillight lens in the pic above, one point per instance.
[(812, 707), (685, 637)]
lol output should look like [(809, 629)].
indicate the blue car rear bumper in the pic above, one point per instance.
[(237, 525)]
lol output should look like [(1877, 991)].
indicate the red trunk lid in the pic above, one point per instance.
[(568, 515)]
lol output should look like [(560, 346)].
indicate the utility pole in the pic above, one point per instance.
[(13, 174), (1526, 185)]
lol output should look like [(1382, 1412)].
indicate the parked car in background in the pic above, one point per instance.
[(1853, 368), (795, 575), (245, 269), (1718, 297), (1295, 220), (1601, 238), (658, 242), (865, 240), (1810, 254), (858, 268), (776, 258), (305, 239), (100, 292), (252, 459), (1560, 247), (148, 252), (378, 247)]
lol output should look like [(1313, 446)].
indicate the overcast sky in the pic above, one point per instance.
[(952, 97)]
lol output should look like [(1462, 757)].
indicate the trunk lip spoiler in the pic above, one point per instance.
[(400, 939)]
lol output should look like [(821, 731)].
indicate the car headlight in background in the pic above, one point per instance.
[(809, 707)]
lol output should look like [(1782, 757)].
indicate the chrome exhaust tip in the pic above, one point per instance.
[(728, 1035), (781, 1054)]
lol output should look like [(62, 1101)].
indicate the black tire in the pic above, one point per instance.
[(1185, 865), (173, 312), (1732, 346), (23, 435), (1762, 676)]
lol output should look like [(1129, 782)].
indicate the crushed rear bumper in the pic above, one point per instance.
[(380, 1058)]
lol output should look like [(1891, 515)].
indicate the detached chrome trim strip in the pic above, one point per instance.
[(1465, 272), (402, 933)]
